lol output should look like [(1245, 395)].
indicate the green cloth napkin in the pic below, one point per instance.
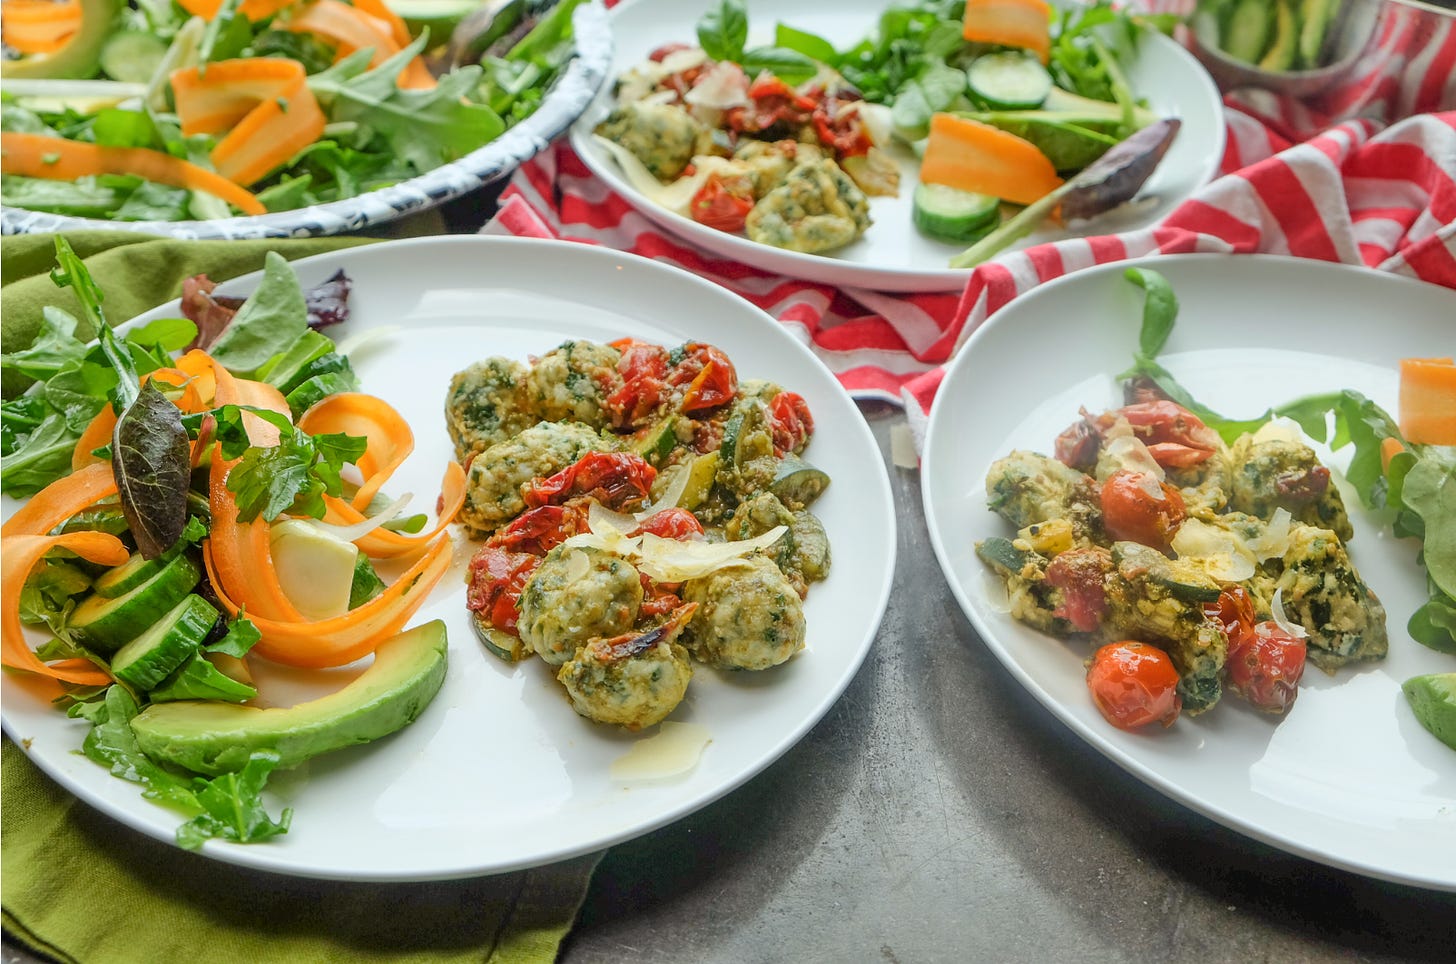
[(80, 888)]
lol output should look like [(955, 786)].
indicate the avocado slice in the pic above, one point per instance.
[(80, 58), (213, 738), (440, 17), (1433, 700)]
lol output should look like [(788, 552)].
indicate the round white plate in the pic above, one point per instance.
[(569, 95), (1349, 778), (892, 255), (499, 773)]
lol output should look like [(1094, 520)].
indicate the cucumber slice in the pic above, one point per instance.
[(1009, 81), (127, 576), (953, 214), (106, 624), (132, 56), (171, 641), (797, 483)]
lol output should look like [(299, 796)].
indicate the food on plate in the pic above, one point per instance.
[(1433, 700), (206, 109), (1278, 36), (1205, 555), (205, 492), (789, 144), (641, 507)]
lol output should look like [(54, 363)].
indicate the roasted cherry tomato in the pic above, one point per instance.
[(614, 479), (1134, 684), (1079, 573), (1132, 512), (496, 578), (705, 375), (542, 529), (841, 129), (791, 422), (1265, 662), (659, 598), (643, 368), (774, 102), (1175, 436), (670, 524), (660, 54), (721, 205)]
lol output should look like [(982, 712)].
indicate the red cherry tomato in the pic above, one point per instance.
[(1131, 512), (841, 130), (791, 421), (1264, 662), (659, 598), (540, 530), (496, 577), (705, 375), (660, 54), (1175, 436), (1134, 684), (1079, 573), (670, 524), (643, 368), (614, 479), (720, 205)]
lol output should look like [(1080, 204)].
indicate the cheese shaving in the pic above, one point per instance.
[(1221, 555), (358, 530), (1276, 609), (667, 560)]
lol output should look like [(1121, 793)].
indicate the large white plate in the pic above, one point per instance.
[(499, 773), (1349, 778), (892, 255)]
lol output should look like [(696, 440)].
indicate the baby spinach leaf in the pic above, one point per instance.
[(808, 44), (41, 457), (790, 66), (723, 30), (55, 347), (233, 807), (150, 461), (274, 314)]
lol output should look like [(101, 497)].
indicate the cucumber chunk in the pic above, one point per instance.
[(946, 212), (132, 56), (171, 641), (1009, 81), (124, 578), (106, 624)]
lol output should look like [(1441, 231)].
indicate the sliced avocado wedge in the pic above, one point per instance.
[(1433, 700), (213, 738)]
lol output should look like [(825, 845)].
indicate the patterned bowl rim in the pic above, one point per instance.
[(568, 97)]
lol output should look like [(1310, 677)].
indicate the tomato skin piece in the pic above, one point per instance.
[(1265, 662), (496, 577), (614, 479), (1079, 573), (716, 205), (643, 368), (542, 529), (1131, 513), (792, 422), (674, 523), (705, 374), (1134, 684)]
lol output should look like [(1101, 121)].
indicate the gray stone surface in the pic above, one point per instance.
[(939, 814)]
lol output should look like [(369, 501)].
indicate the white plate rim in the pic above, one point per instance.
[(827, 268), (938, 430), (632, 267)]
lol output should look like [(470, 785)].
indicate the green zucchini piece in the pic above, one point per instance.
[(1009, 81), (953, 214), (171, 641), (702, 471), (106, 624), (1249, 30), (656, 442), (199, 679), (797, 483), (500, 644), (124, 578), (732, 429), (1002, 555)]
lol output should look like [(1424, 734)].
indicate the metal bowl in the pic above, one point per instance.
[(568, 97), (1378, 54)]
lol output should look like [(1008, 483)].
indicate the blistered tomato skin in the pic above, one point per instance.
[(1265, 665), (1131, 512), (1134, 684)]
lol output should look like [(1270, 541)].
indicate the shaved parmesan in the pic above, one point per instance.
[(1217, 550), (677, 484), (1276, 609), (676, 196), (577, 565), (1274, 541), (719, 87), (1128, 452), (1278, 430), (668, 560), (878, 122), (599, 517)]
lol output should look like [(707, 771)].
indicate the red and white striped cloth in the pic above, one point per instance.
[(1354, 193)]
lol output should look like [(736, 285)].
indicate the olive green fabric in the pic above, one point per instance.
[(80, 887)]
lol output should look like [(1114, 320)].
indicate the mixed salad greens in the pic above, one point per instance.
[(203, 491), (999, 102), (191, 109)]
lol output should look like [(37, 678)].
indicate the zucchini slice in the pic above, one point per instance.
[(797, 483), (1009, 81), (171, 641), (953, 214), (106, 624)]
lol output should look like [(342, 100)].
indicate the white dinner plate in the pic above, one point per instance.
[(499, 773), (1349, 778), (893, 255)]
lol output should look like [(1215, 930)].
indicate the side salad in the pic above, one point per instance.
[(177, 110), (204, 492), (991, 105)]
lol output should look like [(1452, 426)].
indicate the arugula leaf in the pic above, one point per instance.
[(723, 30), (241, 636), (292, 476), (229, 807), (43, 456), (274, 314)]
